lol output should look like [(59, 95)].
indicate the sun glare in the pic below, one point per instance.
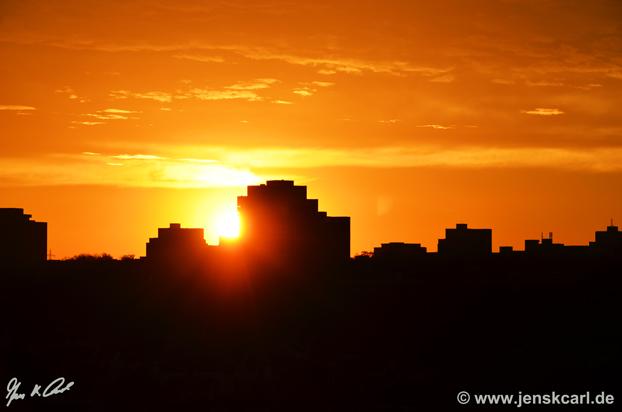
[(229, 225)]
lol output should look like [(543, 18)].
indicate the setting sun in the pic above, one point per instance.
[(229, 225)]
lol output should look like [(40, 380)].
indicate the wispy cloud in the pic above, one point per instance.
[(345, 65), (159, 96), (4, 107), (597, 160), (206, 94), (448, 78), (87, 123), (200, 58), (543, 84), (323, 84), (254, 85), (118, 111), (437, 126), (303, 91), (543, 112), (153, 171), (503, 81), (139, 157), (281, 102), (72, 94), (200, 160), (390, 121), (110, 116), (235, 167)]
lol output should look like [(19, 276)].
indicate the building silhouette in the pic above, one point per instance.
[(279, 223), (399, 251), (607, 242), (544, 247), (23, 241), (178, 245), (463, 241)]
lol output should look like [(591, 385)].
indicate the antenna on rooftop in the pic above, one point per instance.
[(50, 255)]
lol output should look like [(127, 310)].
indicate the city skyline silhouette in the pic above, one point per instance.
[(278, 205), (285, 314), (425, 197)]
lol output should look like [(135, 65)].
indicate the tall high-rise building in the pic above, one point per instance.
[(22, 240), (278, 222)]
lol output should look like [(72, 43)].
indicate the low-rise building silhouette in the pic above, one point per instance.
[(546, 247), (22, 240), (177, 245), (279, 223), (607, 242), (463, 241), (399, 251)]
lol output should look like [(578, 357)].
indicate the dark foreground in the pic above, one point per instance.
[(361, 337)]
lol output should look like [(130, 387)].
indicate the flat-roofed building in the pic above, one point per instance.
[(399, 251), (607, 242), (278, 221), (175, 244), (463, 241), (23, 241)]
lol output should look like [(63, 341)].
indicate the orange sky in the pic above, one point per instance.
[(119, 117)]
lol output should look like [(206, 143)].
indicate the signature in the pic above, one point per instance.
[(53, 388)]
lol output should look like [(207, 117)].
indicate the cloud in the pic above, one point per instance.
[(205, 94), (543, 84), (138, 157), (5, 107), (159, 96), (72, 94), (390, 121), (323, 84), (240, 91), (256, 84), (281, 102), (345, 65), (303, 92), (200, 58), (543, 112), (588, 86), (165, 108), (118, 111), (110, 116), (448, 78), (596, 160), (87, 123), (502, 81), (94, 170), (91, 153), (437, 126), (200, 160)]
